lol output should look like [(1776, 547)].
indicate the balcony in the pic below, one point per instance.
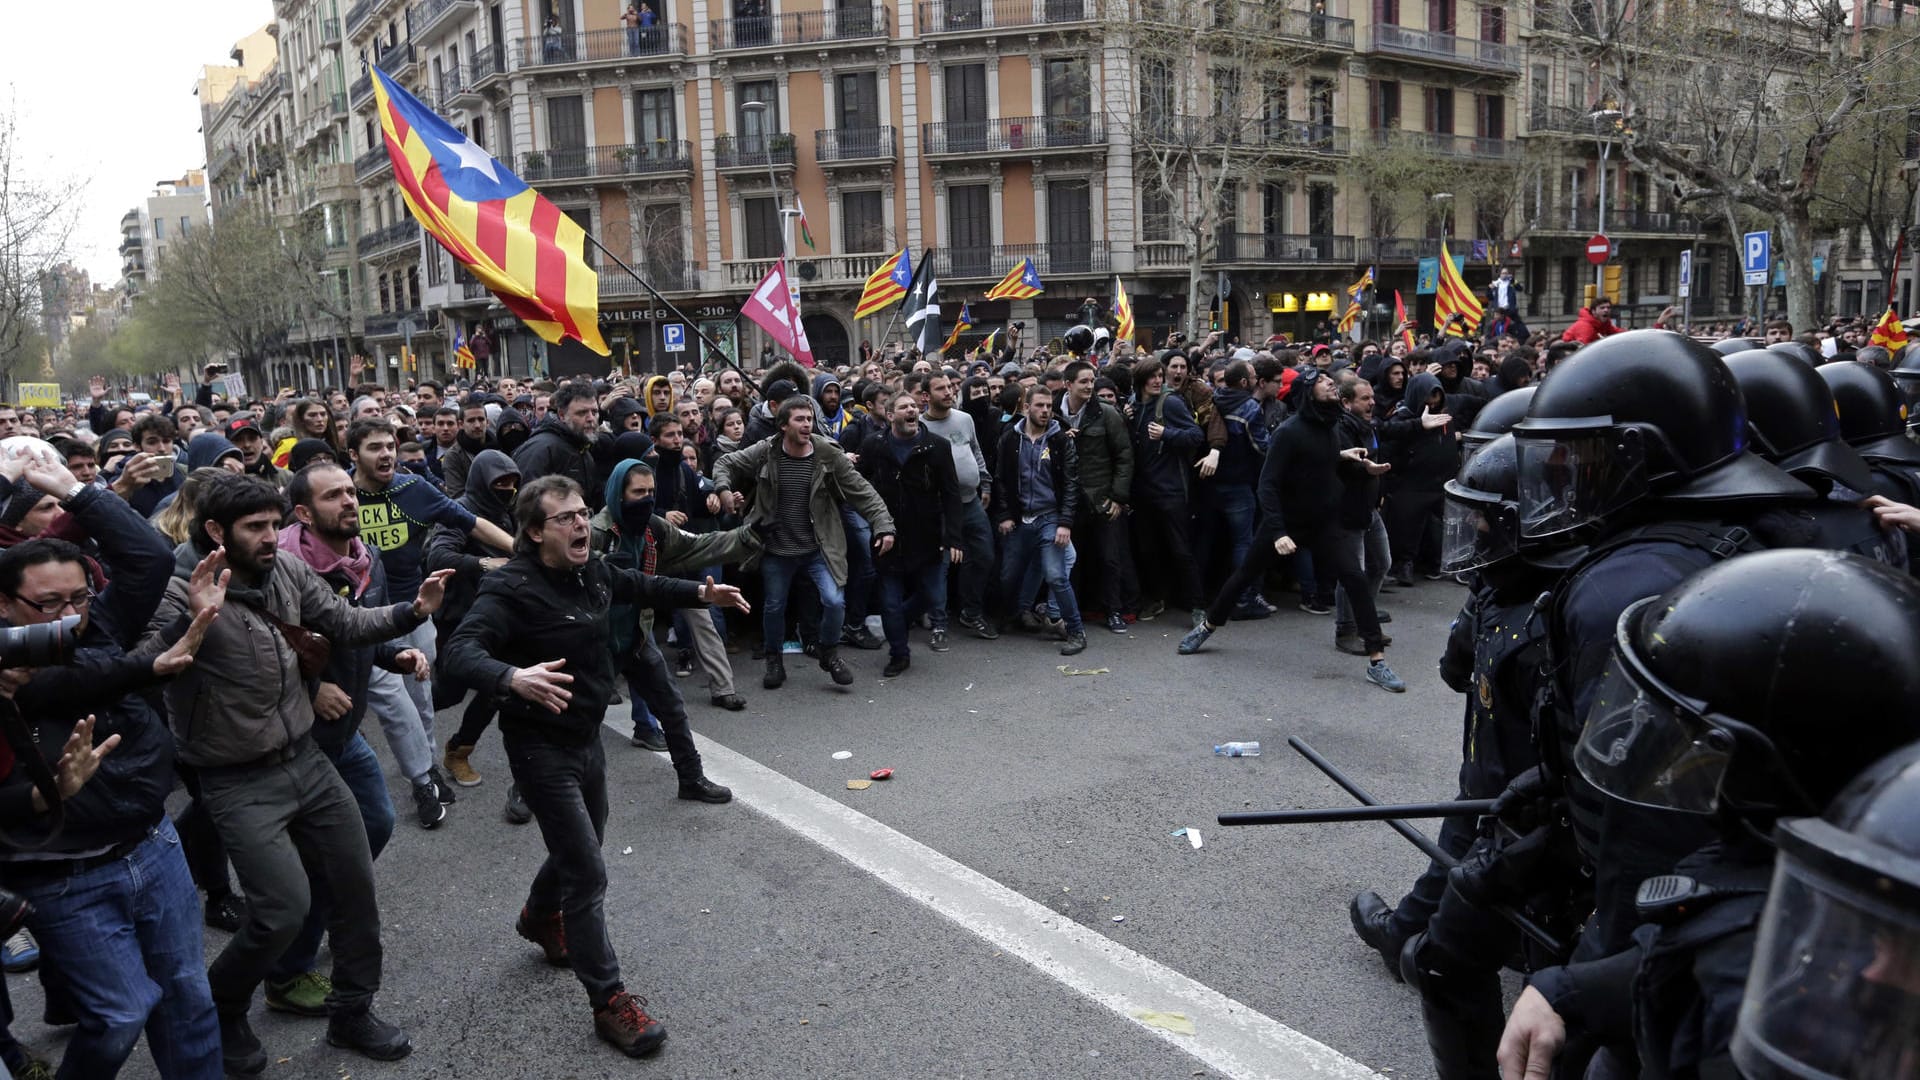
[(664, 276), (358, 14), (601, 46), (387, 323), (753, 151), (223, 161), (1892, 15), (1198, 131), (1584, 221), (973, 16), (333, 182), (372, 164), (129, 242), (330, 32), (1271, 248), (402, 234), (1160, 255), (799, 28), (1014, 134), (453, 88), (488, 64), (1444, 144), (425, 16), (1326, 31), (1449, 49), (827, 270), (853, 146), (1396, 249), (360, 91), (595, 163), (1049, 260), (397, 60), (336, 106)]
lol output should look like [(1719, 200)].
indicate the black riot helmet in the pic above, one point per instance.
[(1729, 346), (1906, 376), (1645, 413), (1079, 340), (1758, 687), (1834, 990), (1791, 415), (1797, 350), (1482, 509), (1496, 418), (1873, 416)]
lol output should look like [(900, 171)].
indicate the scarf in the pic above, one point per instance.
[(357, 564)]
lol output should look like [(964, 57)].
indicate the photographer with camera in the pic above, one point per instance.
[(90, 848)]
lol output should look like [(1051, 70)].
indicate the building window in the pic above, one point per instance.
[(1067, 93), (862, 226), (1493, 23), (567, 136), (857, 101), (1320, 209), (1156, 216), (1440, 16), (653, 121), (1070, 227), (479, 133), (1320, 102), (1156, 92), (1386, 12), (1536, 273), (970, 229), (762, 220), (663, 247), (1569, 285), (184, 220), (1274, 200), (1384, 109), (1440, 110), (159, 229), (1492, 119), (755, 125)]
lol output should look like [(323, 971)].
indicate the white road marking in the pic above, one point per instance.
[(1229, 1037)]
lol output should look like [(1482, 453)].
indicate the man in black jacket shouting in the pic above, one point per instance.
[(913, 470), (547, 610), (1299, 493)]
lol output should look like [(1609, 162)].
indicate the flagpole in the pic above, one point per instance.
[(712, 347), (912, 280)]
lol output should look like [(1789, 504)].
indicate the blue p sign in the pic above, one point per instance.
[(674, 336)]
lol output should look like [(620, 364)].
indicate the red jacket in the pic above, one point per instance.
[(1589, 328)]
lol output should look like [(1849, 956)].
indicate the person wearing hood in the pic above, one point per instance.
[(1418, 440), (489, 497), (632, 536), (656, 393), (510, 429), (833, 418), (1036, 493), (626, 414), (207, 450), (562, 444), (1452, 365), (470, 437), (1593, 323), (781, 381), (1165, 443), (1300, 490), (1247, 442), (1390, 386)]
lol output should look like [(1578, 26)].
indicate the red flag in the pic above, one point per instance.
[(772, 309), (1400, 320)]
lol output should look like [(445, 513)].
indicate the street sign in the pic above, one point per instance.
[(1756, 256), (673, 336), (1686, 274), (1598, 249)]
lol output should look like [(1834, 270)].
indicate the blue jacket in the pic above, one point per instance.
[(1162, 467), (1247, 438)]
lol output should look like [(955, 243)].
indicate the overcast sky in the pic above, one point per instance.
[(103, 96)]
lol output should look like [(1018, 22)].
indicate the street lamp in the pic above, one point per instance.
[(1440, 201), (760, 110), (1600, 117)]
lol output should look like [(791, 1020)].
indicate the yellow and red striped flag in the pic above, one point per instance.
[(1400, 320), (1354, 294), (1454, 297), (520, 246), (1021, 283), (1122, 311), (1889, 331), (964, 324)]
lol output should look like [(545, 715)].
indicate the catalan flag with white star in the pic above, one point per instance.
[(520, 246), (1122, 312), (1021, 283), (1354, 294), (964, 324)]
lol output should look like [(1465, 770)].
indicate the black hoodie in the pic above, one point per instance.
[(461, 552), (1423, 458), (555, 449)]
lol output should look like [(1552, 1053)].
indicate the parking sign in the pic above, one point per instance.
[(1686, 274), (673, 336), (1756, 256)]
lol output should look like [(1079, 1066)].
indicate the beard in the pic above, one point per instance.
[(253, 564), (344, 527)]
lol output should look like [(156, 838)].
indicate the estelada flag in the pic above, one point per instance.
[(1021, 283), (1122, 312), (888, 283), (964, 324), (1454, 297), (1888, 331), (1400, 320), (520, 246)]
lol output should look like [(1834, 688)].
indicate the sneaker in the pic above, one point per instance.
[(1116, 623), (1316, 607), (650, 738), (1075, 643), (1402, 576), (776, 675), (1032, 621), (459, 767), (20, 953), (1382, 676), (1433, 575), (1197, 617), (1195, 638), (701, 789), (35, 1069), (683, 664), (365, 1033), (517, 812), (547, 931), (1385, 616), (226, 912), (1351, 644), (860, 638), (938, 643), (978, 626), (1056, 628), (1251, 612), (303, 995), (623, 1021), (831, 663), (426, 800), (1151, 610), (240, 1049), (729, 702), (442, 790), (896, 665)]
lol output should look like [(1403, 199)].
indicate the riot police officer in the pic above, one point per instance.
[(1680, 724), (1873, 420)]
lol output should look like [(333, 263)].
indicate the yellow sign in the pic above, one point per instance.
[(40, 395), (1282, 303), (1319, 301)]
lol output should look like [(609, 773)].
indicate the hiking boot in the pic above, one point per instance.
[(701, 789), (517, 812), (896, 665), (303, 995), (547, 931), (1116, 623), (729, 702), (650, 738), (365, 1033), (1373, 921), (831, 663), (860, 638), (226, 912), (978, 626), (240, 1050), (1074, 643), (938, 642), (459, 767), (1195, 638), (683, 664), (1382, 676), (776, 675), (426, 801), (623, 1021), (441, 789)]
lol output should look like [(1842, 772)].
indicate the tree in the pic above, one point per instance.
[(1747, 114), (1210, 120), (37, 219), (1865, 194)]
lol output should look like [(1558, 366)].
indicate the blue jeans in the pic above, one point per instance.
[(898, 588), (777, 574), (1238, 509), (1030, 583), (127, 940), (1025, 542), (361, 770), (1375, 557)]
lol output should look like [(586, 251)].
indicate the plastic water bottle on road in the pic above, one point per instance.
[(1238, 749)]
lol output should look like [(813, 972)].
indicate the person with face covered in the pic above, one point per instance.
[(1418, 439), (495, 482)]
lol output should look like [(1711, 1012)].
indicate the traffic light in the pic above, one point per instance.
[(1611, 272), (1591, 290)]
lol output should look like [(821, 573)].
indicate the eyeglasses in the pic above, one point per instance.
[(567, 518), (77, 602)]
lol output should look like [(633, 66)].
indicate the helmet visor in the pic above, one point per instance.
[(1478, 529), (1572, 477), (1834, 990), (1639, 748)]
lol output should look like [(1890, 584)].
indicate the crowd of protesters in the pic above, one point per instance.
[(257, 576)]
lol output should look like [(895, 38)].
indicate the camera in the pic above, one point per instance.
[(38, 644)]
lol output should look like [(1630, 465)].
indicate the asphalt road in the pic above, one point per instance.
[(811, 930)]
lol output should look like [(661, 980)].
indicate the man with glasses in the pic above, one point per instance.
[(536, 636)]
